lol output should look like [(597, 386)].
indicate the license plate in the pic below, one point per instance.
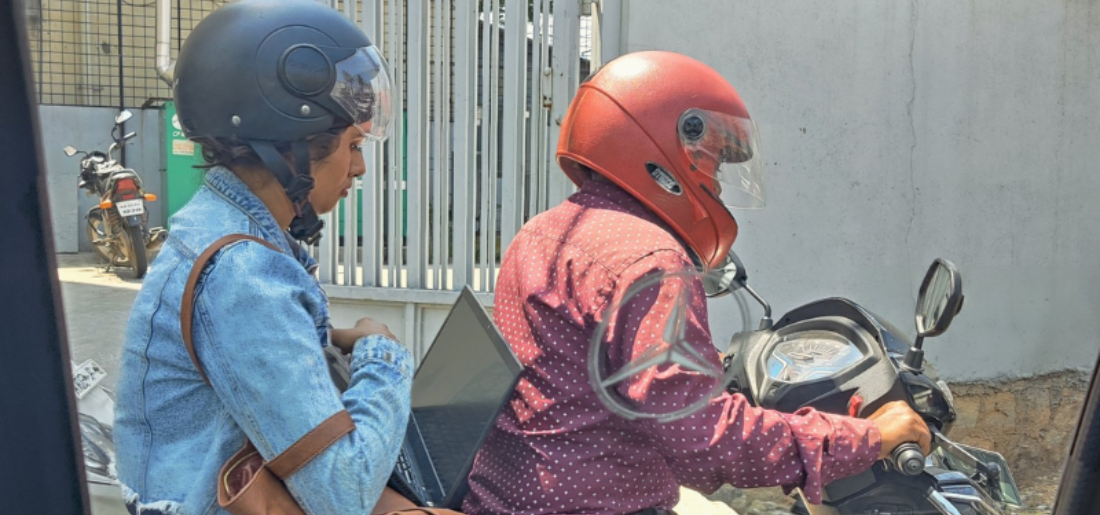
[(87, 376), (130, 207)]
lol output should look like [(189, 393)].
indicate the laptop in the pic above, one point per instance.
[(459, 388)]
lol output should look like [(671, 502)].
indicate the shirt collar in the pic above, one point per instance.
[(613, 193), (223, 182)]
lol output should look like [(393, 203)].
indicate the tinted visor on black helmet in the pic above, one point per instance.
[(362, 89)]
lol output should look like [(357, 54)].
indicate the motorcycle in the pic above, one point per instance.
[(832, 355), (116, 227), (96, 412), (838, 357)]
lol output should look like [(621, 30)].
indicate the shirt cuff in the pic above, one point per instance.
[(831, 448), (852, 448), (377, 349)]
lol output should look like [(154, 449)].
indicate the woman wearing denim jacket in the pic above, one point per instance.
[(281, 95)]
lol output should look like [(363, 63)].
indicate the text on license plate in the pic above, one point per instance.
[(87, 376), (130, 207)]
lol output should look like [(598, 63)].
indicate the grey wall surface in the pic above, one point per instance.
[(88, 128), (897, 132)]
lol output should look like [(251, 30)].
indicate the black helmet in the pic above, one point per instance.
[(277, 71)]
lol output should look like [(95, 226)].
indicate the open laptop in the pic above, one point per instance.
[(459, 388)]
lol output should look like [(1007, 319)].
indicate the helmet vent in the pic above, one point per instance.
[(692, 127), (664, 178), (306, 70)]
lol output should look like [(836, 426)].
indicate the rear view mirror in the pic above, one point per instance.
[(727, 278), (730, 277), (940, 298), (70, 151), (122, 117)]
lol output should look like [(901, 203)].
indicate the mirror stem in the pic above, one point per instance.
[(766, 322), (914, 359)]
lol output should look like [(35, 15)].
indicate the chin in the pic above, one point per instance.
[(324, 208)]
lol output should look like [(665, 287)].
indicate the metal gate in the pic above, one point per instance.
[(480, 88)]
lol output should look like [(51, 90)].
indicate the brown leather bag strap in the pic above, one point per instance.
[(187, 305), (311, 444)]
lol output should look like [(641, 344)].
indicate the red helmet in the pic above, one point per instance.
[(674, 134)]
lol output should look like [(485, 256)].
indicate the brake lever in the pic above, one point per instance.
[(990, 476)]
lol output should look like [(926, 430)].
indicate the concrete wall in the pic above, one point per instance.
[(897, 132), (88, 128), (414, 316), (414, 324)]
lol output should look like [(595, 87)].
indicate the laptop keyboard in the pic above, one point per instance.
[(403, 466), (404, 480), (450, 434)]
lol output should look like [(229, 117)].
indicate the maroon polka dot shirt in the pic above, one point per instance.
[(557, 450)]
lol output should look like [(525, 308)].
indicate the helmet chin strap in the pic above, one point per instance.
[(305, 227)]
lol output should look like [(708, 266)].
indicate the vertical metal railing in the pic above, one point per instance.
[(479, 89)]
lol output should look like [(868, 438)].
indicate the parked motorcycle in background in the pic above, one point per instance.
[(117, 226)]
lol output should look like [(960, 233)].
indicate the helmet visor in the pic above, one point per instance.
[(725, 148), (362, 88)]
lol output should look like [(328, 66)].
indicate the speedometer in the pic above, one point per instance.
[(810, 355)]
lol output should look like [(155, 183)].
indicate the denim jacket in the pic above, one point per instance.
[(260, 323)]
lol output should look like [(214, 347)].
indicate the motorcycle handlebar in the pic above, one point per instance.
[(908, 459)]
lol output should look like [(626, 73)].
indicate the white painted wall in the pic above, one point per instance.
[(897, 132), (414, 316)]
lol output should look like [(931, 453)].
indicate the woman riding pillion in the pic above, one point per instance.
[(281, 94)]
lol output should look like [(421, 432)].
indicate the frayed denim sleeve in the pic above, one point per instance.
[(257, 340)]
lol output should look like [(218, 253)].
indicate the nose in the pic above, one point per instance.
[(358, 166)]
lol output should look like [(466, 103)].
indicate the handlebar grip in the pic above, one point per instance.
[(908, 459)]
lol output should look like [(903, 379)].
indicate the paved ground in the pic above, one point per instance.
[(97, 304)]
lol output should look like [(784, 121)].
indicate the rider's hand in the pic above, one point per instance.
[(344, 339), (898, 424)]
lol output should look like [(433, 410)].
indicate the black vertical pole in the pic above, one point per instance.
[(121, 85), (40, 466), (41, 51)]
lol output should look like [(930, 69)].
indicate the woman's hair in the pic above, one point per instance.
[(233, 153)]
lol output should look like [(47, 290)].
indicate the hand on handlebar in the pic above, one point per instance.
[(897, 423)]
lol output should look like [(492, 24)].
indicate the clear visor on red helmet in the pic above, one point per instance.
[(363, 89), (725, 148)]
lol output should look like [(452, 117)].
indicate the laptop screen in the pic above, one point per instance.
[(460, 386)]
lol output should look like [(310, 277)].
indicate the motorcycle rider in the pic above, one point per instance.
[(660, 146), (281, 94)]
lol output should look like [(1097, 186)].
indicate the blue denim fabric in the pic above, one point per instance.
[(260, 322)]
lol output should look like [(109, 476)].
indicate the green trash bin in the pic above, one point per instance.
[(181, 179)]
